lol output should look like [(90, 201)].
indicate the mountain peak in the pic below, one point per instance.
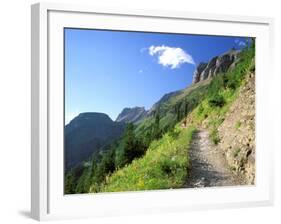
[(131, 115), (88, 133), (89, 115), (216, 65)]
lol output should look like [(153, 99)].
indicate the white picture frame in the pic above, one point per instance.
[(47, 198)]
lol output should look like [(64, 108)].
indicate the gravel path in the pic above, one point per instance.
[(208, 165)]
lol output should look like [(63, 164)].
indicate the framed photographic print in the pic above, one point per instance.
[(137, 111)]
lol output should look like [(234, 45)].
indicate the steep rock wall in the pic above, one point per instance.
[(215, 66)]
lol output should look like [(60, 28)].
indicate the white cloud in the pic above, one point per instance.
[(171, 57), (240, 42)]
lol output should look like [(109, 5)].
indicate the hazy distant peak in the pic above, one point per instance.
[(131, 115)]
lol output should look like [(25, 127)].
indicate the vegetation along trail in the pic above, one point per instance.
[(208, 164)]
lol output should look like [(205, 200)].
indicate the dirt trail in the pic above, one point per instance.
[(208, 165)]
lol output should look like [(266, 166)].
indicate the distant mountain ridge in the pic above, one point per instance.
[(88, 133), (166, 97), (131, 115)]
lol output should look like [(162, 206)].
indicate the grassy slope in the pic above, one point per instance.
[(164, 165)]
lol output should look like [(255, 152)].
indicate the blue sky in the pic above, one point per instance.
[(106, 71)]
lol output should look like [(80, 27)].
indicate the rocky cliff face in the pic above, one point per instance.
[(132, 115), (216, 65)]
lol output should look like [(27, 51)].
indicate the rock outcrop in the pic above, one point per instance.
[(215, 66), (132, 115)]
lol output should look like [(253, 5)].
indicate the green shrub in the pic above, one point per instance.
[(216, 101), (69, 183), (216, 85), (214, 135), (168, 165), (232, 83), (200, 109), (236, 152), (238, 124)]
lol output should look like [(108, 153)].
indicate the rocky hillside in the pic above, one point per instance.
[(88, 133), (237, 132), (216, 65), (132, 115)]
